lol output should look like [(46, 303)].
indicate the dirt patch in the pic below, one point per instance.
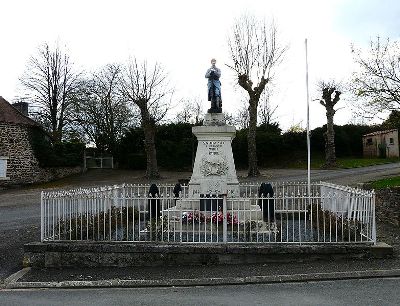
[(12, 248), (387, 211)]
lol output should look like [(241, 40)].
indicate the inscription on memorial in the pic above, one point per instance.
[(214, 147), (214, 187)]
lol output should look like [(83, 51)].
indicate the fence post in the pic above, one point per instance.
[(84, 160), (225, 222), (373, 218), (41, 217)]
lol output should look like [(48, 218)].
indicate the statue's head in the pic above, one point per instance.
[(213, 62)]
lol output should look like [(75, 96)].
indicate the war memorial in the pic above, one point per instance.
[(213, 219)]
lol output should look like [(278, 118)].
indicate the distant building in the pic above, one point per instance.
[(381, 144)]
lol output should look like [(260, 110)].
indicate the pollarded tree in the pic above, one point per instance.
[(330, 97), (147, 88), (377, 80), (255, 52), (51, 82)]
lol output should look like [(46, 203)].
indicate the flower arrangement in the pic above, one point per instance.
[(193, 217), (198, 217), (219, 218)]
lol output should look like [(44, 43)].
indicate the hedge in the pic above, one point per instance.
[(176, 145)]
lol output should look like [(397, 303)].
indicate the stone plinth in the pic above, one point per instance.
[(214, 168)]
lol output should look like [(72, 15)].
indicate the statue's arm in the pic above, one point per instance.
[(208, 73), (218, 72)]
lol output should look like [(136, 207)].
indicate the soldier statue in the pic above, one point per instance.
[(214, 88)]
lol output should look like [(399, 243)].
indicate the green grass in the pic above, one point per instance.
[(344, 163), (388, 182), (348, 163)]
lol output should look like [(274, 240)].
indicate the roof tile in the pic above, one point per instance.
[(11, 115)]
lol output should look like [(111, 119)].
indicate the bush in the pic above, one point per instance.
[(131, 153), (64, 154), (175, 145)]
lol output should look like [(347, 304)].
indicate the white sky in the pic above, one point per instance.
[(185, 35)]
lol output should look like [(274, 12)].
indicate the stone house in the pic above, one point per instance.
[(381, 144), (18, 164)]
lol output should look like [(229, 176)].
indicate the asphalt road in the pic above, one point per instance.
[(349, 292)]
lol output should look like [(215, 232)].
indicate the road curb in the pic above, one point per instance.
[(118, 283), (13, 278)]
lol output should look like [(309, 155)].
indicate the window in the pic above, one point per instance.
[(391, 141), (369, 141), (3, 168)]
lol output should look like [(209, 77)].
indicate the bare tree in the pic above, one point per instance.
[(377, 81), (266, 112), (241, 117), (51, 82), (330, 97), (255, 52), (192, 111), (100, 110), (147, 88)]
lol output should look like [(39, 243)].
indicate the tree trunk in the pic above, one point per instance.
[(251, 138), (330, 155), (149, 129)]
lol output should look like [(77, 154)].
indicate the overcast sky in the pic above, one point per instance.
[(184, 35)]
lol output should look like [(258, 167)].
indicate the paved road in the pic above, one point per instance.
[(350, 292), (341, 176)]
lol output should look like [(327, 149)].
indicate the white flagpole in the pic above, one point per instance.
[(308, 128)]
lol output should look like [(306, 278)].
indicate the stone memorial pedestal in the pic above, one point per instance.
[(214, 175), (214, 168)]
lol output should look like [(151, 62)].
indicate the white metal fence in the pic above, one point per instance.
[(330, 214)]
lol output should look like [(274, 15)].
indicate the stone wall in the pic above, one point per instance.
[(115, 254), (51, 174), (22, 165)]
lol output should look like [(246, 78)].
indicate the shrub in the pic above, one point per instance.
[(333, 225), (64, 154)]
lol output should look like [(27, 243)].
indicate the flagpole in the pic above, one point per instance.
[(308, 128)]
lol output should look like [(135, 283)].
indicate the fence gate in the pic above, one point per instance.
[(98, 162)]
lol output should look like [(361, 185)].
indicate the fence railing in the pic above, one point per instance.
[(331, 214)]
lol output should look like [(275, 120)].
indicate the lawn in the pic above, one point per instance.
[(344, 163), (347, 163), (388, 182)]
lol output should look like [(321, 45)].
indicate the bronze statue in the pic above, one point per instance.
[(214, 88)]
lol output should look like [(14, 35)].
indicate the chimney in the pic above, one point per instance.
[(22, 107)]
